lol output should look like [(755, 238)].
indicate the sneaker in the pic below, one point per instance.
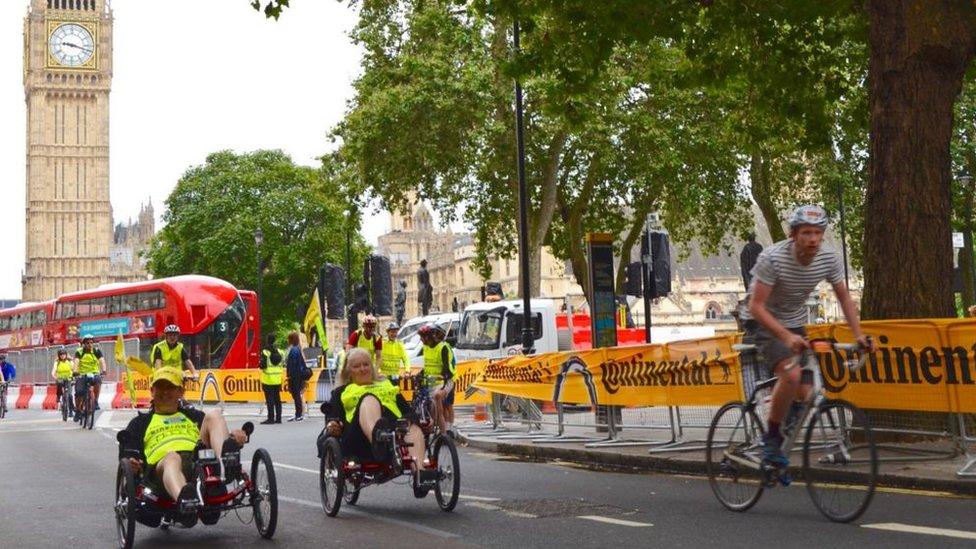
[(300, 418), (773, 452), (230, 455), (293, 418), (188, 502), (382, 436)]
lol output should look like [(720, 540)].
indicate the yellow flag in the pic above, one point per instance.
[(313, 318), (120, 349)]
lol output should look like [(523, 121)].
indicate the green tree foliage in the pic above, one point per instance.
[(433, 114), (212, 214)]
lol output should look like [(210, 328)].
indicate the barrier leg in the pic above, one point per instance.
[(561, 435), (614, 440), (969, 469), (680, 443)]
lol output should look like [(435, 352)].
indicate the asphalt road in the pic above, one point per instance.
[(57, 482)]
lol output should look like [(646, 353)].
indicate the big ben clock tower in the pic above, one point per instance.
[(67, 78)]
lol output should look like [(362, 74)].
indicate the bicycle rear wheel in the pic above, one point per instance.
[(64, 404), (3, 403), (90, 410), (840, 461), (733, 456)]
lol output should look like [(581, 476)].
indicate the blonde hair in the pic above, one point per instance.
[(354, 353)]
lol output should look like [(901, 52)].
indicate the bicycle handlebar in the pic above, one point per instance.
[(856, 349)]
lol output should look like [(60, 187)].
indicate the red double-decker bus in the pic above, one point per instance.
[(25, 325), (219, 324)]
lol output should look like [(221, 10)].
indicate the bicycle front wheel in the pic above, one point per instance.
[(840, 460), (733, 456)]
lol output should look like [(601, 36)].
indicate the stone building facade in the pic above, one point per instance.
[(129, 242), (67, 81), (705, 289)]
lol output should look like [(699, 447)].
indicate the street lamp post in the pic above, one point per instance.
[(527, 337), (258, 241)]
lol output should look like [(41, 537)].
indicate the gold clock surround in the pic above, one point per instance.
[(90, 26)]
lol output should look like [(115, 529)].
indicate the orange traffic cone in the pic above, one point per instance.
[(548, 407), (480, 412)]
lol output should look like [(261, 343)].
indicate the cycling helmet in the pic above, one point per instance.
[(425, 329), (87, 338), (809, 214), (3, 356), (369, 320), (172, 329), (62, 350), (437, 330), (392, 326)]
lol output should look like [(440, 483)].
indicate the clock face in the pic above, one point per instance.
[(71, 45)]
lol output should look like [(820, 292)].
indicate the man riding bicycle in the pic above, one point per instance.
[(784, 276), (171, 353), (89, 364), (62, 372), (8, 372), (439, 363), (167, 436), (367, 338)]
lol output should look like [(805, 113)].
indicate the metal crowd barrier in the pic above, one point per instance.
[(34, 365)]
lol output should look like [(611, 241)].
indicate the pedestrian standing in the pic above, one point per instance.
[(272, 372), (295, 367)]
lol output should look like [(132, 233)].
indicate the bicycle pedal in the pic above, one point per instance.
[(785, 479)]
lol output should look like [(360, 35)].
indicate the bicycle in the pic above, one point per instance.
[(3, 399), (838, 446), (88, 400), (67, 390)]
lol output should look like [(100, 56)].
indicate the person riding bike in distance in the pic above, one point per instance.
[(395, 360), (167, 436), (367, 338), (8, 372), (439, 363), (171, 353), (62, 371), (783, 277), (88, 360)]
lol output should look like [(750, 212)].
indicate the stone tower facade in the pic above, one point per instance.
[(67, 79)]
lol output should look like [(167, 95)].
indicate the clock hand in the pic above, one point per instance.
[(73, 45)]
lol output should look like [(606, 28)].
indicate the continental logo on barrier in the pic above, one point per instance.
[(637, 372), (528, 373), (901, 365)]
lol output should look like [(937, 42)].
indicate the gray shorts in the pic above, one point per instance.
[(771, 348)]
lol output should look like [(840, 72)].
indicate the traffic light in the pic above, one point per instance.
[(361, 302), (633, 283), (660, 264), (333, 289), (376, 273)]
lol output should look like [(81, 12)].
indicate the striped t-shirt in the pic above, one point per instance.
[(792, 282)]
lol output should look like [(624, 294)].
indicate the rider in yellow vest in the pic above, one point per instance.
[(89, 364), (439, 363), (166, 436), (367, 338), (362, 407), (272, 375), (171, 353), (395, 360), (62, 371)]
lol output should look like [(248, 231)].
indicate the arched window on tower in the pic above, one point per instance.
[(713, 311)]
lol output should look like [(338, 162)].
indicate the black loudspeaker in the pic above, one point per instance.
[(660, 264), (361, 299), (376, 273), (633, 284), (334, 291)]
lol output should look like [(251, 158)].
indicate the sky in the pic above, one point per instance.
[(192, 77)]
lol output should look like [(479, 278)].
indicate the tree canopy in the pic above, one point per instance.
[(212, 214)]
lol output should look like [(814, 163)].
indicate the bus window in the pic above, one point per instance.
[(4, 323), (97, 306), (209, 348), (66, 310), (82, 308), (113, 304), (129, 303)]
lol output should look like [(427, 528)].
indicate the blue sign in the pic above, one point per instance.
[(102, 328)]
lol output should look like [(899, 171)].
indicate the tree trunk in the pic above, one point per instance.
[(540, 219), (966, 253), (762, 193), (920, 51)]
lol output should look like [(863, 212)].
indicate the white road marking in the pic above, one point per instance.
[(103, 419), (478, 498), (910, 529), (490, 507), (106, 435), (352, 511), (12, 431), (295, 468), (618, 522)]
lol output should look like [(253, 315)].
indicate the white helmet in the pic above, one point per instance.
[(809, 214)]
